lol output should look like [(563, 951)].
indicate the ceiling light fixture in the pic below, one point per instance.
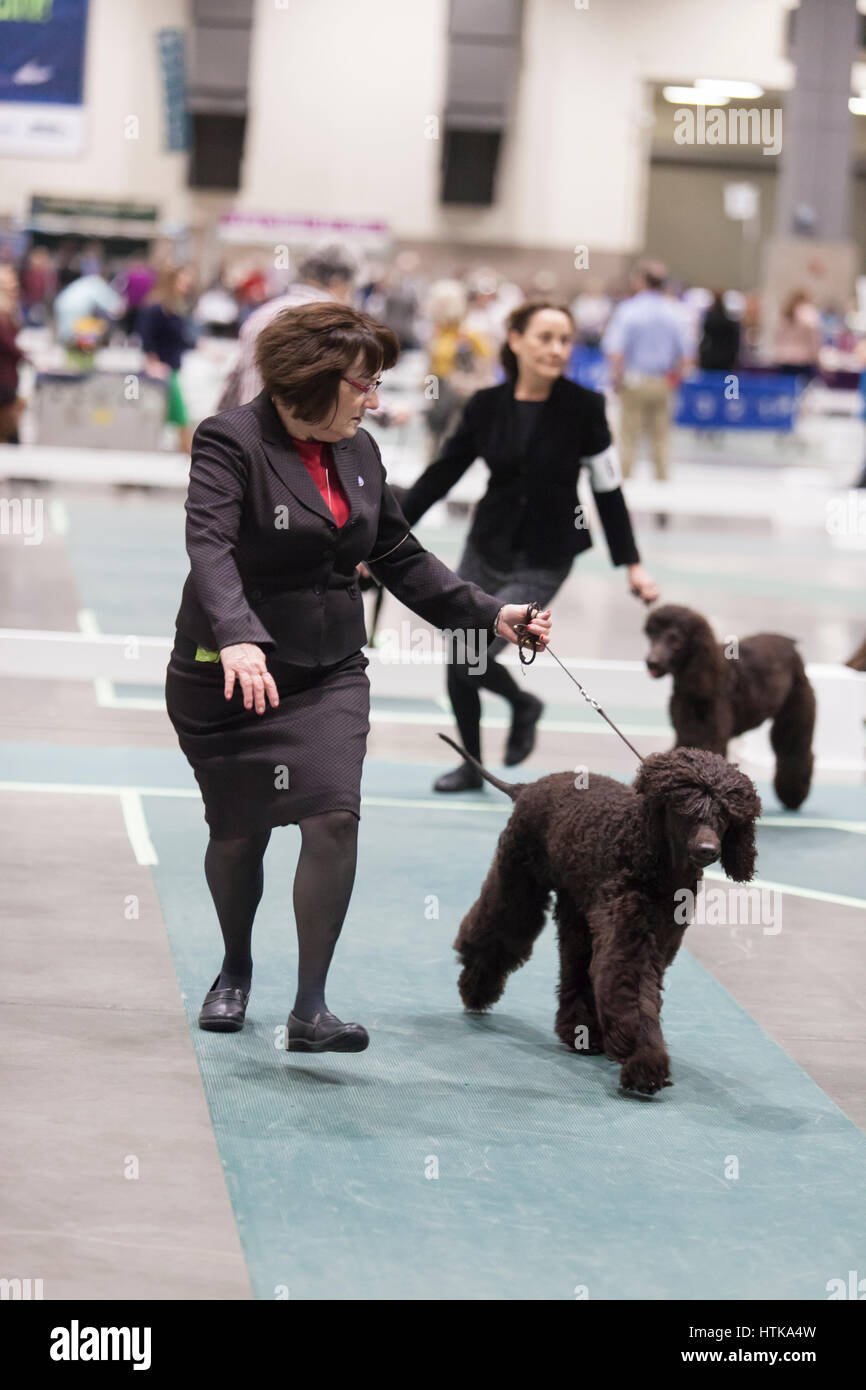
[(720, 86), (692, 96)]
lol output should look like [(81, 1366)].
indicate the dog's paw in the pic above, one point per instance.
[(477, 991), (646, 1072)]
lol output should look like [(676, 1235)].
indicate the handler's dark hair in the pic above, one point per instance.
[(518, 322), (303, 353)]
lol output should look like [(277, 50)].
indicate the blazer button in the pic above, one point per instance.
[(317, 588), (327, 554), (255, 593)]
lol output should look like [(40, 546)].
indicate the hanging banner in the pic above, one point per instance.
[(42, 76), (172, 61), (251, 228)]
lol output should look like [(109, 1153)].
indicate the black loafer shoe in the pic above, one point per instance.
[(521, 739), (223, 1010), (463, 779), (325, 1033)]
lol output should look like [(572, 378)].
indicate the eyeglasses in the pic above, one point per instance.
[(359, 385)]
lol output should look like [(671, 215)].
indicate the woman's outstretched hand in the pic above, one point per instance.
[(516, 613), (246, 662), (642, 584)]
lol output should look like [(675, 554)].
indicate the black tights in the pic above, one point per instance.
[(464, 694), (323, 886)]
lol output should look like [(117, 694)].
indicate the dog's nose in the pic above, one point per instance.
[(705, 851)]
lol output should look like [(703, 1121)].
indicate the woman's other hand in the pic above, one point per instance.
[(246, 662), (642, 584), (516, 613)]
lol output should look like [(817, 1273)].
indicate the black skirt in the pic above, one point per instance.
[(256, 771)]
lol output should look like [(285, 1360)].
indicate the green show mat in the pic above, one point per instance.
[(477, 1158)]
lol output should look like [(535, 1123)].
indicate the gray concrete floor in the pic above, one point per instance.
[(804, 987), (113, 1183)]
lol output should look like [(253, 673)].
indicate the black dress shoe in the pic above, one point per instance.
[(521, 738), (326, 1033), (223, 1010), (463, 779)]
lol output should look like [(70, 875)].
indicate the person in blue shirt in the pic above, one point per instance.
[(647, 348)]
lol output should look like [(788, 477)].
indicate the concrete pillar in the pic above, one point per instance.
[(816, 128), (812, 249)]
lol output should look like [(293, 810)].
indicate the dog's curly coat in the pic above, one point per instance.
[(614, 856), (715, 698)]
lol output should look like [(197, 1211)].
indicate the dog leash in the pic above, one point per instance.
[(529, 640)]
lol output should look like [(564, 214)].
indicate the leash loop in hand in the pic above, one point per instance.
[(527, 641)]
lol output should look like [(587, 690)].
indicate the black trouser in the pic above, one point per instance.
[(518, 582)]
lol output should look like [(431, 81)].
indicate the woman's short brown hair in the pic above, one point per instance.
[(304, 352), (518, 322)]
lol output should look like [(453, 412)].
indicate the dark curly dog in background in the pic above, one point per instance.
[(614, 856), (715, 698)]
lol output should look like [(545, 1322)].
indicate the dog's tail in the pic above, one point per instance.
[(511, 789)]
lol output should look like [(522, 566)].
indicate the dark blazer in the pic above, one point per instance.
[(532, 494), (163, 333), (270, 565)]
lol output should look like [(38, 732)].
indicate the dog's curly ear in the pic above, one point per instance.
[(739, 852)]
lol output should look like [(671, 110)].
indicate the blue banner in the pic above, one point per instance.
[(587, 366), (712, 400), (42, 51), (739, 401)]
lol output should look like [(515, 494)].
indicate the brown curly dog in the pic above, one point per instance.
[(614, 856), (715, 697)]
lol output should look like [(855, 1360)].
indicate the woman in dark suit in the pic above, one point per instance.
[(266, 684), (535, 432)]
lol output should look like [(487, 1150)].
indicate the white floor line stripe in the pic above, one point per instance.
[(114, 701), (139, 836), (96, 789), (59, 516), (498, 799), (379, 716), (87, 622), (136, 827), (816, 894), (103, 688), (453, 803), (854, 827)]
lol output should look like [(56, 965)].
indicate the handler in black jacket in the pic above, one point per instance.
[(266, 684), (535, 432)]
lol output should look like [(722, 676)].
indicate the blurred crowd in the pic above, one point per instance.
[(87, 299)]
